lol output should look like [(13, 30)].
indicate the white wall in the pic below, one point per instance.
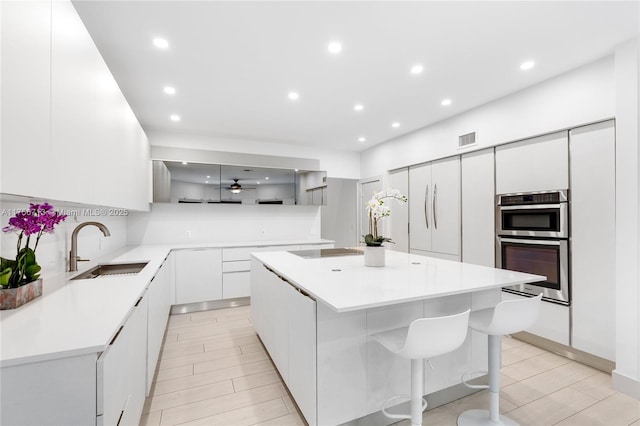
[(168, 223), (626, 376), (53, 249), (342, 164), (578, 97)]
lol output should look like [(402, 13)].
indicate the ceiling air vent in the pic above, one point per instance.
[(467, 140)]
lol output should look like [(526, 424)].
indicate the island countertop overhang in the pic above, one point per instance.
[(345, 284)]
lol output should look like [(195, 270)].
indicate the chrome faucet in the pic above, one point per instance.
[(73, 254)]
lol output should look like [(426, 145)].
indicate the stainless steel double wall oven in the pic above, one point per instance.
[(532, 232)]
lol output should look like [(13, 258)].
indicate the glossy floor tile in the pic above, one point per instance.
[(213, 370)]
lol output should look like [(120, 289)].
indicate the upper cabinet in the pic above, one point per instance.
[(434, 207), (536, 164), (199, 182), (25, 96), (63, 105)]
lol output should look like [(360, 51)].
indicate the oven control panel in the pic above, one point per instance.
[(553, 197)]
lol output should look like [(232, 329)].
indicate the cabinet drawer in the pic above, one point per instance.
[(238, 265), (236, 284), (237, 253)]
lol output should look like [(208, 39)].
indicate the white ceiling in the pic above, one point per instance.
[(233, 63)]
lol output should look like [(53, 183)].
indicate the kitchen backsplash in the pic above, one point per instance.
[(195, 223)]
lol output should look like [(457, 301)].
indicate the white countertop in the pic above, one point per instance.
[(80, 317), (345, 284)]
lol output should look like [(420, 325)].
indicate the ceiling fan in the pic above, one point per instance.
[(236, 188)]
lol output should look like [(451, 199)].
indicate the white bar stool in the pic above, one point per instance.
[(509, 316), (425, 338)]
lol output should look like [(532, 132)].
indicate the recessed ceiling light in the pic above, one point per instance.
[(527, 65), (295, 170), (417, 69), (396, 124), (445, 102), (174, 117), (362, 140), (293, 96), (258, 183), (206, 181), (334, 47), (169, 90), (160, 43), (208, 177), (266, 178), (358, 107), (184, 163)]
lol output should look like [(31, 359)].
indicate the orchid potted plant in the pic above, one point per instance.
[(19, 278), (378, 208)]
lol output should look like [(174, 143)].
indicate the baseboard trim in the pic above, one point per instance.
[(567, 351), (625, 384), (188, 308)]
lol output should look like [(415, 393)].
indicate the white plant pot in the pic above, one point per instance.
[(374, 256)]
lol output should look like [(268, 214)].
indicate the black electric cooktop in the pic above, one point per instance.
[(332, 252)]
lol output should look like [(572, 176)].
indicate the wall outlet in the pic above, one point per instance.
[(187, 234)]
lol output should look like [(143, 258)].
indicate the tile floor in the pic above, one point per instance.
[(214, 371)]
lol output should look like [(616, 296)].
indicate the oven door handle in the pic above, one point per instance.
[(531, 241), (533, 207)]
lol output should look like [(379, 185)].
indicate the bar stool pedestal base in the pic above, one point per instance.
[(482, 418)]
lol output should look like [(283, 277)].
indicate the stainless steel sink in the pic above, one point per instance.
[(111, 269)]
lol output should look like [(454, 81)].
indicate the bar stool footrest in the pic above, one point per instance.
[(399, 416), (467, 384)]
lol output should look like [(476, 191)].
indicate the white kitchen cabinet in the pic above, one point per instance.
[(25, 78), (159, 302), (593, 195), (236, 266), (536, 164), (285, 320), (63, 390), (61, 102), (302, 352), (399, 219), (236, 284), (420, 216), (121, 372), (434, 207), (198, 275), (75, 62), (478, 208), (118, 139)]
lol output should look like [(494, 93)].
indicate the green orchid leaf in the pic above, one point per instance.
[(5, 274), (31, 272)]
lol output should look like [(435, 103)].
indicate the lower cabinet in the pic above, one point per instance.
[(104, 388), (159, 304), (121, 372), (198, 275), (285, 320)]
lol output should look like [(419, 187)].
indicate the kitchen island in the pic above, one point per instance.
[(315, 316)]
